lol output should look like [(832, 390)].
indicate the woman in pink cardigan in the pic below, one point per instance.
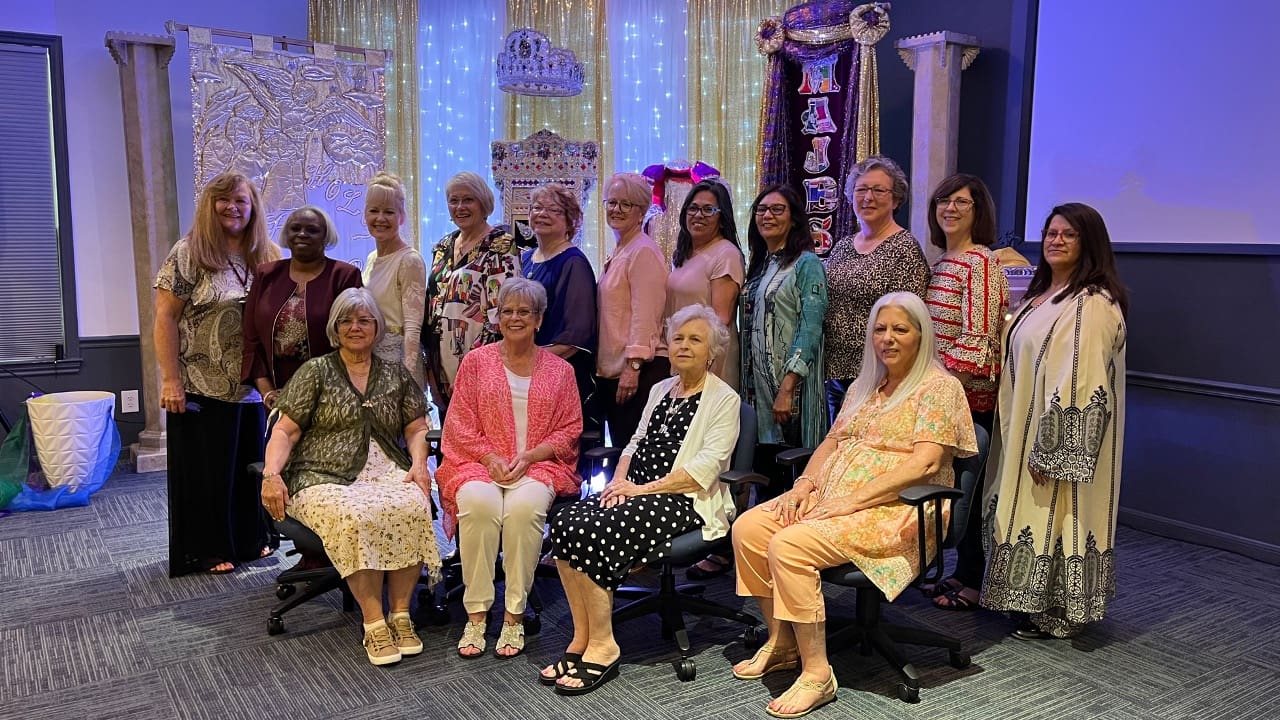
[(510, 447)]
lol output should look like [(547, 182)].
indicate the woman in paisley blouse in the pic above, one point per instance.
[(289, 303), (396, 275), (967, 298), (335, 461), (468, 267), (904, 420), (215, 423), (883, 257)]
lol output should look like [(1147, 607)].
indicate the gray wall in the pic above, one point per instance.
[(106, 363)]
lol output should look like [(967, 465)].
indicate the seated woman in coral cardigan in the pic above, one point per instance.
[(510, 447)]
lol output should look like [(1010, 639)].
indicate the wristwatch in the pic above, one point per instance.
[(635, 364)]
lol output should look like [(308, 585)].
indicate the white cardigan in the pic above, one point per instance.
[(706, 451)]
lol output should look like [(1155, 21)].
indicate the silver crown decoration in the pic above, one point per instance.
[(531, 65)]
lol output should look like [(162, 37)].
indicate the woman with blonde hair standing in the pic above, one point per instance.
[(396, 275)]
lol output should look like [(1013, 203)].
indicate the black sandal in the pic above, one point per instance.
[(1028, 630), (562, 667), (721, 567), (591, 675), (954, 600), (939, 589)]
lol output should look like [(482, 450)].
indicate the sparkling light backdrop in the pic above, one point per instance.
[(462, 107), (648, 55)]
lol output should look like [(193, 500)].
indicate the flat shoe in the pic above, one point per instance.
[(591, 675), (954, 600), (472, 636), (828, 690), (939, 589), (790, 662), (562, 668), (1027, 630), (512, 636), (696, 573)]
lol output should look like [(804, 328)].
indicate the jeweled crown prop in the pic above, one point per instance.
[(531, 65)]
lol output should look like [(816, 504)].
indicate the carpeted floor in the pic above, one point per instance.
[(91, 627)]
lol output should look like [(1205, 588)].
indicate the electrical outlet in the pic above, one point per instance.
[(129, 401)]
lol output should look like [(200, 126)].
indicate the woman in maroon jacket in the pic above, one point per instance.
[(289, 301)]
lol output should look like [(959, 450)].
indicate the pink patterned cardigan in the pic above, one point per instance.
[(480, 421)]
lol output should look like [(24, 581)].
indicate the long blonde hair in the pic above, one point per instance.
[(874, 370), (206, 240)]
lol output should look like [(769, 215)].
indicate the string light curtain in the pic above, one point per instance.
[(648, 52), (462, 107), (578, 25), (386, 25), (726, 82)]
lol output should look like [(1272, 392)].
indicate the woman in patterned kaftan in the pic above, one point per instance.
[(1061, 418)]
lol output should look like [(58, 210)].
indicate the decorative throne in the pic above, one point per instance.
[(522, 165)]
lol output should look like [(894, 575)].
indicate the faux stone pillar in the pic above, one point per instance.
[(936, 59), (153, 199)]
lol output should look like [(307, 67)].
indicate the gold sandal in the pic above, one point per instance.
[(827, 690), (472, 636), (790, 661)]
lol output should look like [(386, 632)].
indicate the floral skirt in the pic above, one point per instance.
[(378, 522)]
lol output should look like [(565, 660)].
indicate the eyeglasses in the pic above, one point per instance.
[(879, 192), (364, 322), (703, 210), (774, 210), (622, 205), (1068, 236), (460, 201), (548, 209), (961, 204), (521, 313)]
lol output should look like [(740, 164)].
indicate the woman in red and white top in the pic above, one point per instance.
[(968, 297)]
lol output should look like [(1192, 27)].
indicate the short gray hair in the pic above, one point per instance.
[(349, 301), (719, 333), (474, 184), (889, 167), (330, 230), (633, 187), (518, 288)]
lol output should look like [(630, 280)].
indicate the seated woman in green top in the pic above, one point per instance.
[(335, 458)]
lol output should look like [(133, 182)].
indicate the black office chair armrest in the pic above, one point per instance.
[(919, 494), (795, 456), (743, 477), (599, 454), (931, 572)]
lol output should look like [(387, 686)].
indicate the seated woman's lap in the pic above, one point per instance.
[(605, 543), (783, 563), (369, 524)]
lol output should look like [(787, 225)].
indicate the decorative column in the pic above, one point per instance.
[(153, 199), (937, 60)]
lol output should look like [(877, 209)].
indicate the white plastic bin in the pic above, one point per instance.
[(67, 428)]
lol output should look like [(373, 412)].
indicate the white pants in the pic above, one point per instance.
[(512, 517)]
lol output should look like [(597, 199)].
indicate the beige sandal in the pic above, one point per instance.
[(789, 661), (512, 636), (472, 636), (826, 693)]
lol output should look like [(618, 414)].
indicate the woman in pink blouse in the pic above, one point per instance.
[(708, 266), (630, 307), (968, 296), (510, 447)]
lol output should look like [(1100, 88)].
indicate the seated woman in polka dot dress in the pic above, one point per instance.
[(666, 483)]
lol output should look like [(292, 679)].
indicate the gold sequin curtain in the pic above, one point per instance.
[(578, 25), (384, 25), (726, 80)]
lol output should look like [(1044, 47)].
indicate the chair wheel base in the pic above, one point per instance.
[(686, 670), (751, 639), (959, 660), (275, 625), (285, 590), (532, 624)]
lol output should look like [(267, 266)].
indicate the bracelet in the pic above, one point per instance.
[(266, 475), (806, 478)]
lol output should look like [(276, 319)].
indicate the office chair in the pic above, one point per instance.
[(671, 601), (867, 630)]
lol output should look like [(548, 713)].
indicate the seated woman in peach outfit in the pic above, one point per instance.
[(903, 420)]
